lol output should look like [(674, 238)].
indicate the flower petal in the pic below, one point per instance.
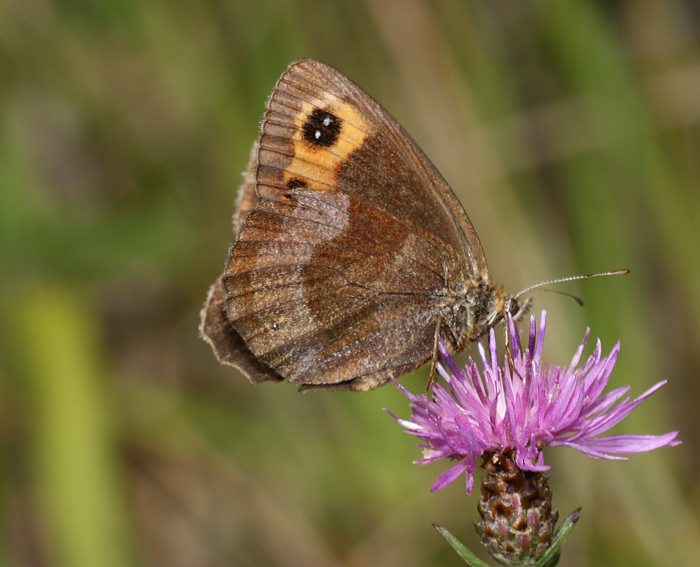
[(523, 404), (451, 474)]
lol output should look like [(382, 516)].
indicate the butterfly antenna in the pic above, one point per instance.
[(576, 298), (621, 272)]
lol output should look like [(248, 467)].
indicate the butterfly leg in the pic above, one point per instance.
[(509, 350), (433, 359)]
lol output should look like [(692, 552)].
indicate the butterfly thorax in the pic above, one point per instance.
[(472, 308)]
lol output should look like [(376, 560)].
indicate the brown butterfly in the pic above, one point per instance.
[(352, 256)]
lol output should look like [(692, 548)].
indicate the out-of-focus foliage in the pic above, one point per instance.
[(569, 130)]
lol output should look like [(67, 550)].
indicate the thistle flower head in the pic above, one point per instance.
[(524, 406)]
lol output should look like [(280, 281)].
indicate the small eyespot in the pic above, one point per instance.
[(296, 183), (275, 326)]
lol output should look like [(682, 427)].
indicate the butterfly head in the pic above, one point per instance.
[(515, 308), (500, 307)]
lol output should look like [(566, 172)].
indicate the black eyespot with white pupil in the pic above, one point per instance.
[(321, 128)]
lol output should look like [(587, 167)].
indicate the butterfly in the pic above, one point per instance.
[(352, 256)]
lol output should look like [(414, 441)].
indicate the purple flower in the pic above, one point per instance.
[(494, 408)]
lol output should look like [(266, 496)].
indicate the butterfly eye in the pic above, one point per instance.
[(321, 128)]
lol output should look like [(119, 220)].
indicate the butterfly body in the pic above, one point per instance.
[(470, 311), (352, 255)]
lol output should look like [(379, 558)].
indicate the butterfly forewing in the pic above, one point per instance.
[(378, 161)]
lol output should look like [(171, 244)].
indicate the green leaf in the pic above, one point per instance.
[(551, 556), (468, 557)]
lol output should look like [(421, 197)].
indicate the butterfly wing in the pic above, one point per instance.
[(339, 273), (214, 327)]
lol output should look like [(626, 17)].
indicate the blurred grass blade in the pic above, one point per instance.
[(77, 490)]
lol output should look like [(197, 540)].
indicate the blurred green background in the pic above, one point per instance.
[(569, 130)]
